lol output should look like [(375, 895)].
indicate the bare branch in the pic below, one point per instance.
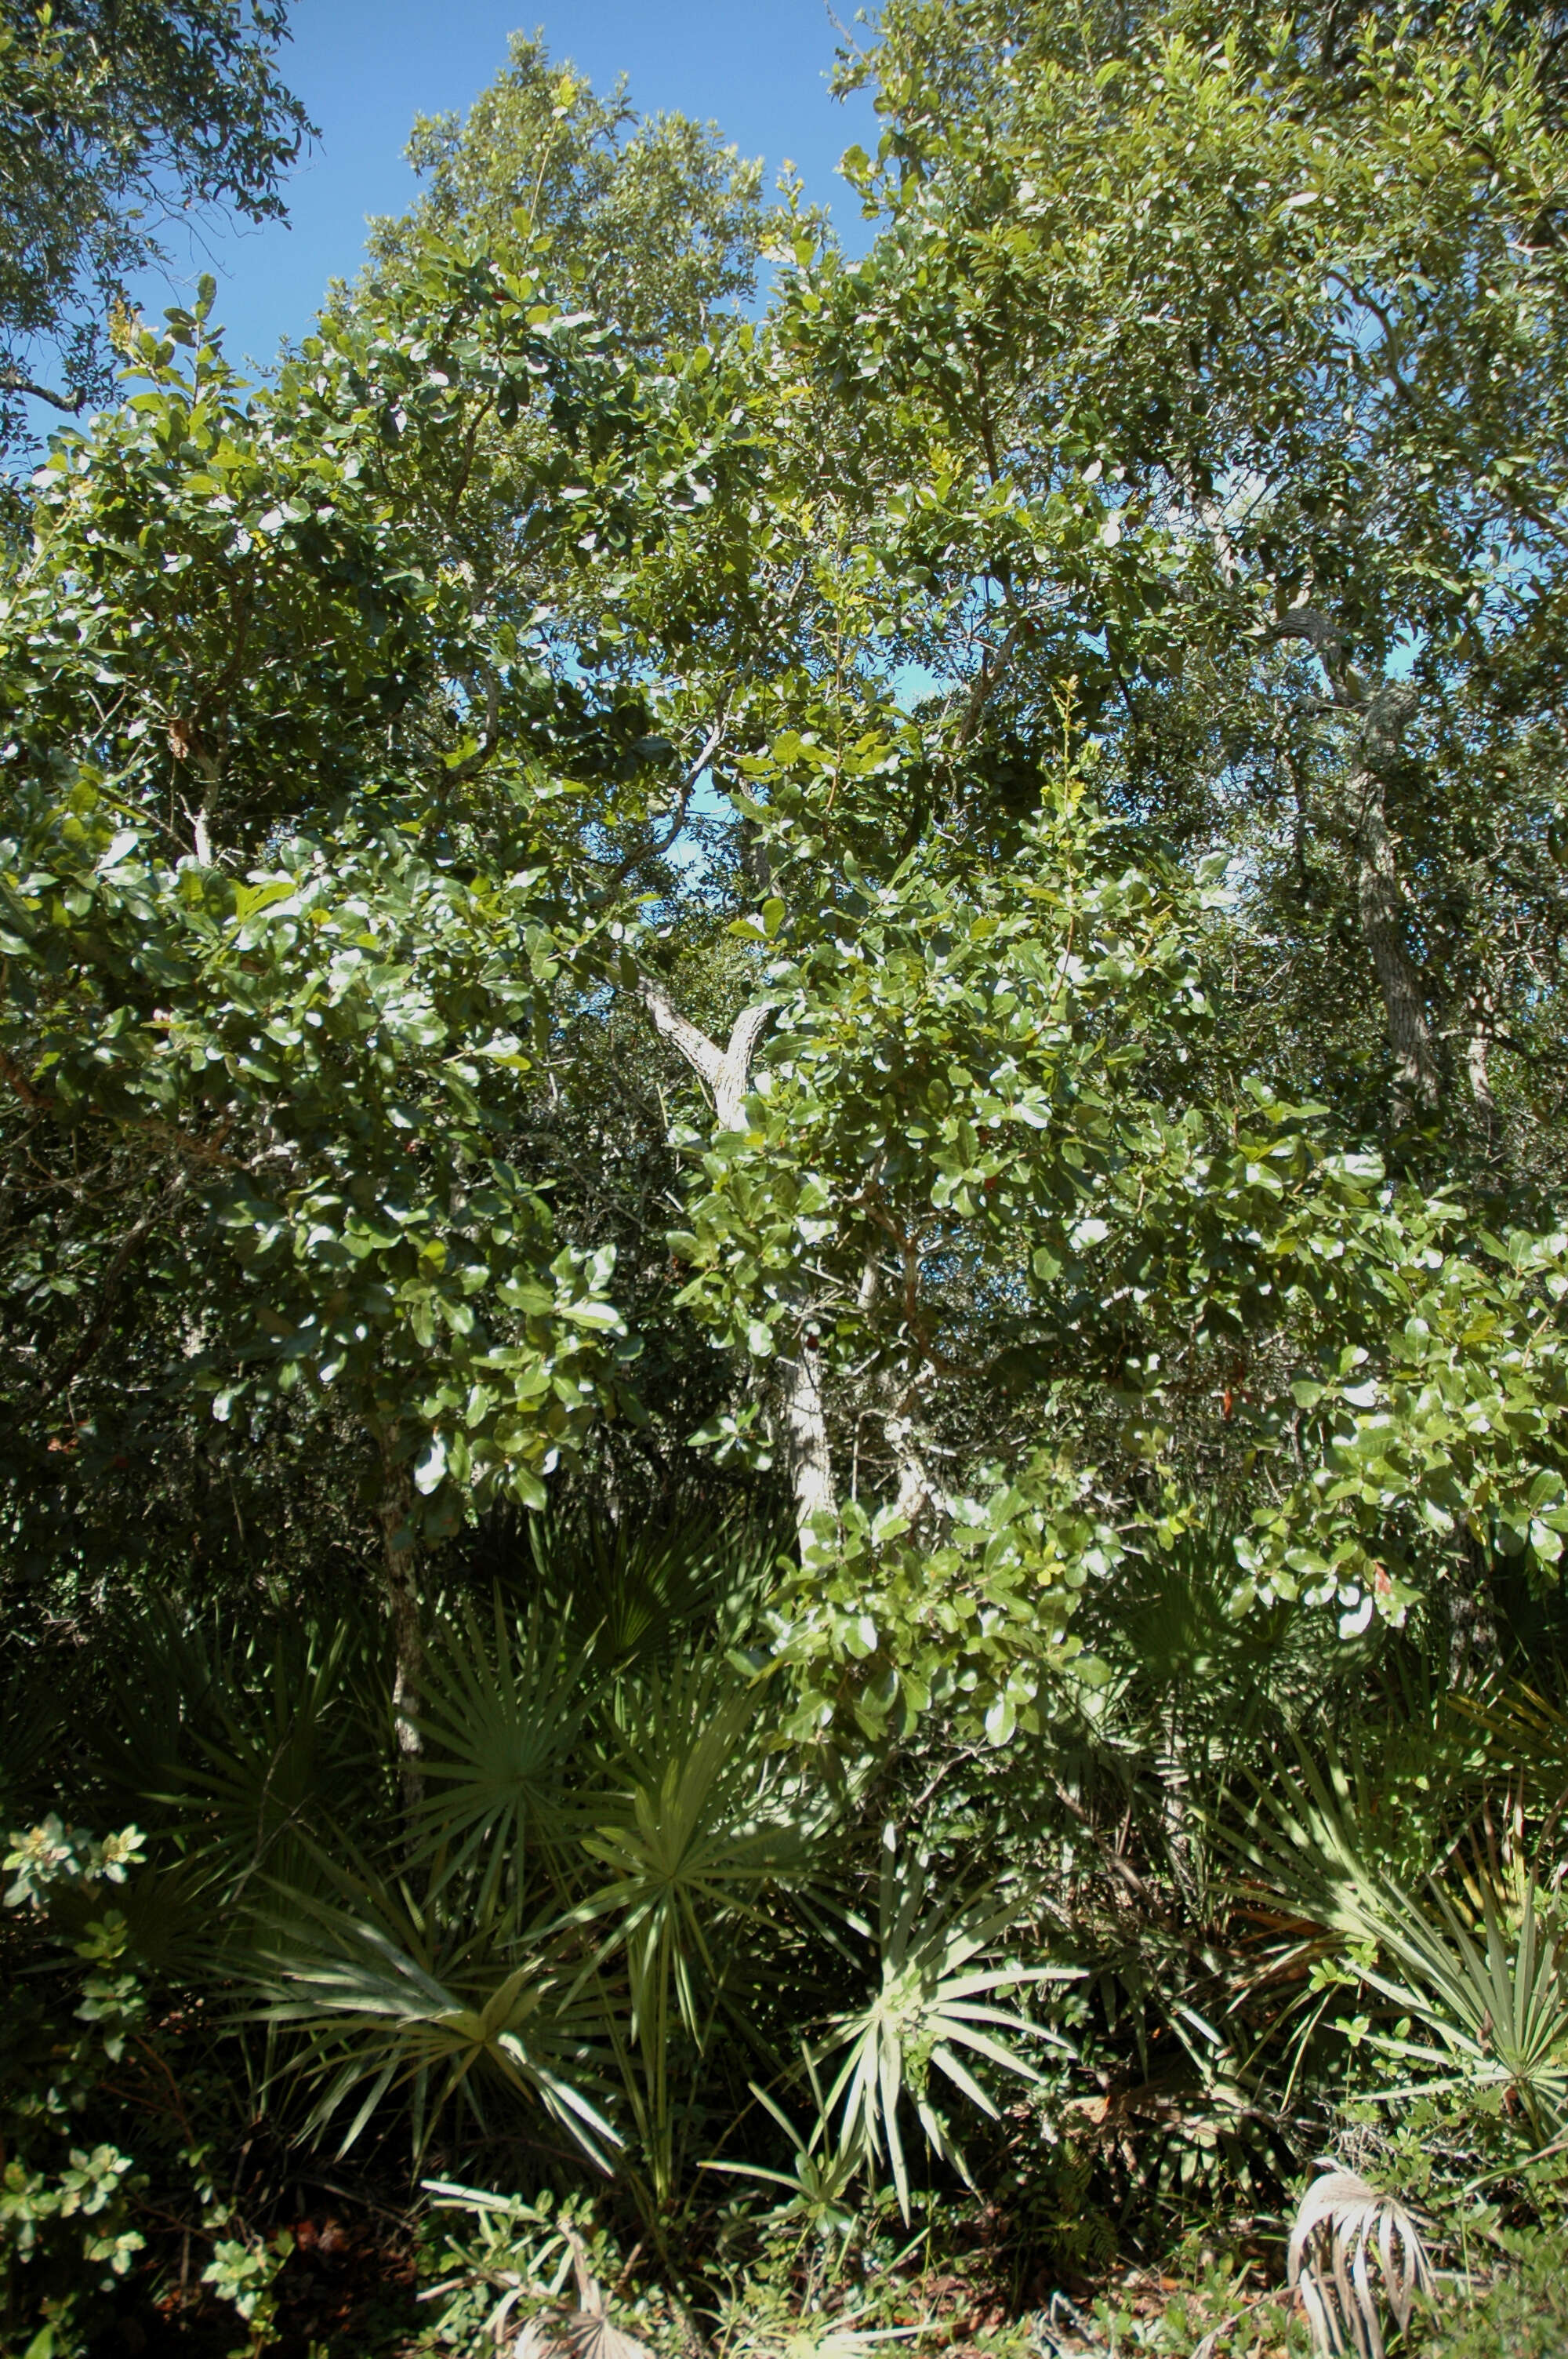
[(1211, 516), (987, 681), (683, 803), (728, 1071), (715, 739), (1384, 714), (1324, 638), (13, 381), (98, 1333), (12, 1072)]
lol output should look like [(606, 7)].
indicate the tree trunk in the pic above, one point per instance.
[(1480, 1080), (1384, 715), (1416, 1089), (400, 1580), (919, 1494), (805, 1428), (1477, 1022)]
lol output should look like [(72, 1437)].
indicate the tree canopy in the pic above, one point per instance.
[(900, 960), (116, 117), (655, 221)]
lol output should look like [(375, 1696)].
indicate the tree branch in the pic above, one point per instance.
[(986, 682), (13, 381), (694, 1046), (1384, 713), (798, 1383), (726, 1071), (683, 800), (735, 1068), (30, 1094), (488, 743)]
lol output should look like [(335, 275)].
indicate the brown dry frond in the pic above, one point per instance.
[(1342, 2222)]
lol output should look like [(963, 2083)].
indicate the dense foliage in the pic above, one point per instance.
[(116, 118), (782, 1211)]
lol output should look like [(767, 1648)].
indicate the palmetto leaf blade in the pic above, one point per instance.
[(959, 2034), (944, 2059), (931, 2001)]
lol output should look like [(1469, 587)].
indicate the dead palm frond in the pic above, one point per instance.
[(1341, 2225), (587, 2332)]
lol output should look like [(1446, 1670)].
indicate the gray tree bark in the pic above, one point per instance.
[(401, 1588), (1478, 1018), (1416, 1078), (803, 1418)]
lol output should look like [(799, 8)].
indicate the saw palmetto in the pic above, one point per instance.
[(933, 2009)]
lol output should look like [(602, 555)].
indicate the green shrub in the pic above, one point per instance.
[(1523, 2314), (67, 2234)]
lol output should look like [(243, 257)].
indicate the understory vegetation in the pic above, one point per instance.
[(783, 1437)]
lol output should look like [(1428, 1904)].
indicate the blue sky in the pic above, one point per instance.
[(366, 67)]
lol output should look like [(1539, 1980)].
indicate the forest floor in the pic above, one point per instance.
[(352, 2289)]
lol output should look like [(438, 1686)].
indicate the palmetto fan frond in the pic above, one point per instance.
[(1529, 1731), (817, 2187), (1492, 1999), (630, 1592), (935, 2001), (241, 1752), (502, 1718), (586, 2332), (704, 1822), (704, 1819), (386, 1999)]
